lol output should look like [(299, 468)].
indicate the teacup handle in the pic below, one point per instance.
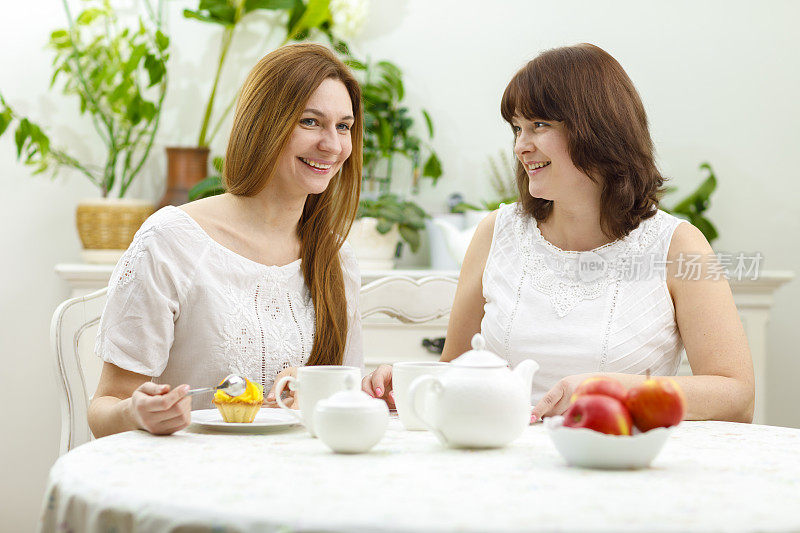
[(418, 388), (292, 381)]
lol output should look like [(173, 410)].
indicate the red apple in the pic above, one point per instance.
[(657, 402), (600, 413), (600, 385)]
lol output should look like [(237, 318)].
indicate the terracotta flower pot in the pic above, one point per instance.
[(186, 167)]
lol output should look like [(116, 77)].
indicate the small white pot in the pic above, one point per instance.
[(374, 251)]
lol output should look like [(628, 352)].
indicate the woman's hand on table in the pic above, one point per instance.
[(270, 399), (159, 410), (557, 399), (378, 384)]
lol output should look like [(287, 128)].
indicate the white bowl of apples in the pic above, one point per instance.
[(611, 428)]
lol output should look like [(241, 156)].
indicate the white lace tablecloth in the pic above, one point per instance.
[(710, 476)]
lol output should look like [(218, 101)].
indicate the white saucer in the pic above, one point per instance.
[(267, 419)]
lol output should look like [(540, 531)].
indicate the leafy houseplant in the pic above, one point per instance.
[(391, 211), (389, 133), (389, 128), (696, 203), (111, 70), (118, 75)]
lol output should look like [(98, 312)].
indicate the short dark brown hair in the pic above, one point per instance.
[(606, 126)]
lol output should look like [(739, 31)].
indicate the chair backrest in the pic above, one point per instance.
[(409, 300), (72, 337)]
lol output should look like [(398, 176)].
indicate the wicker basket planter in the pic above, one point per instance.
[(106, 226)]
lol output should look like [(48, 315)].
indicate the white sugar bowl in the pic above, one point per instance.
[(351, 421)]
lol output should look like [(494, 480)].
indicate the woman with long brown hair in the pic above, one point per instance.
[(585, 275), (257, 281)]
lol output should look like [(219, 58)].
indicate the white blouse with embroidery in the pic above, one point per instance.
[(604, 310), (182, 308)]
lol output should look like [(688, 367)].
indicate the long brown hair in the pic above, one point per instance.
[(606, 127), (271, 103)]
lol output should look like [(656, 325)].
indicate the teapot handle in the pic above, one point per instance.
[(419, 387)]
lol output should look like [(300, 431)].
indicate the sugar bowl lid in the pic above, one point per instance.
[(351, 399), (479, 356)]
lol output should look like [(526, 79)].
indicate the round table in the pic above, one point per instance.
[(710, 476)]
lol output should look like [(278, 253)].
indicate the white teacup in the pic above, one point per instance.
[(402, 376), (315, 383)]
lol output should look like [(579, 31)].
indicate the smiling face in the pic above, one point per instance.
[(541, 146), (320, 142)]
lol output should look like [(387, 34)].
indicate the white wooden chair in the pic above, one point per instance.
[(72, 335), (73, 330), (411, 301), (398, 312)]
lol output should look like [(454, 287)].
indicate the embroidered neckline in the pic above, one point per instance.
[(289, 267), (538, 237), (549, 267)]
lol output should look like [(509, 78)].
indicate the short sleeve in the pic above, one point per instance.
[(354, 348), (136, 329)]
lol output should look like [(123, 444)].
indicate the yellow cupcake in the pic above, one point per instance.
[(242, 408)]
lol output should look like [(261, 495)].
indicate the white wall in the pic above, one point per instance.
[(719, 80)]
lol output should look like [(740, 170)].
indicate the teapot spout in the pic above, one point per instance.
[(525, 370), (447, 228)]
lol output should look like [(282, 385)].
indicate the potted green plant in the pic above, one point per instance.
[(381, 223), (385, 219), (187, 165), (118, 75), (696, 203)]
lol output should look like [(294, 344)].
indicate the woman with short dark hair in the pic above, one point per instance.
[(584, 274)]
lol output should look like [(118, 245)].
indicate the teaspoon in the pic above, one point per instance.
[(233, 386)]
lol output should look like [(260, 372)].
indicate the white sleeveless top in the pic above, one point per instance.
[(605, 310), (182, 308)]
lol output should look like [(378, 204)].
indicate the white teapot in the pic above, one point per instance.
[(458, 239), (476, 403)]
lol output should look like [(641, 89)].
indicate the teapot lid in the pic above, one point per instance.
[(479, 356)]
